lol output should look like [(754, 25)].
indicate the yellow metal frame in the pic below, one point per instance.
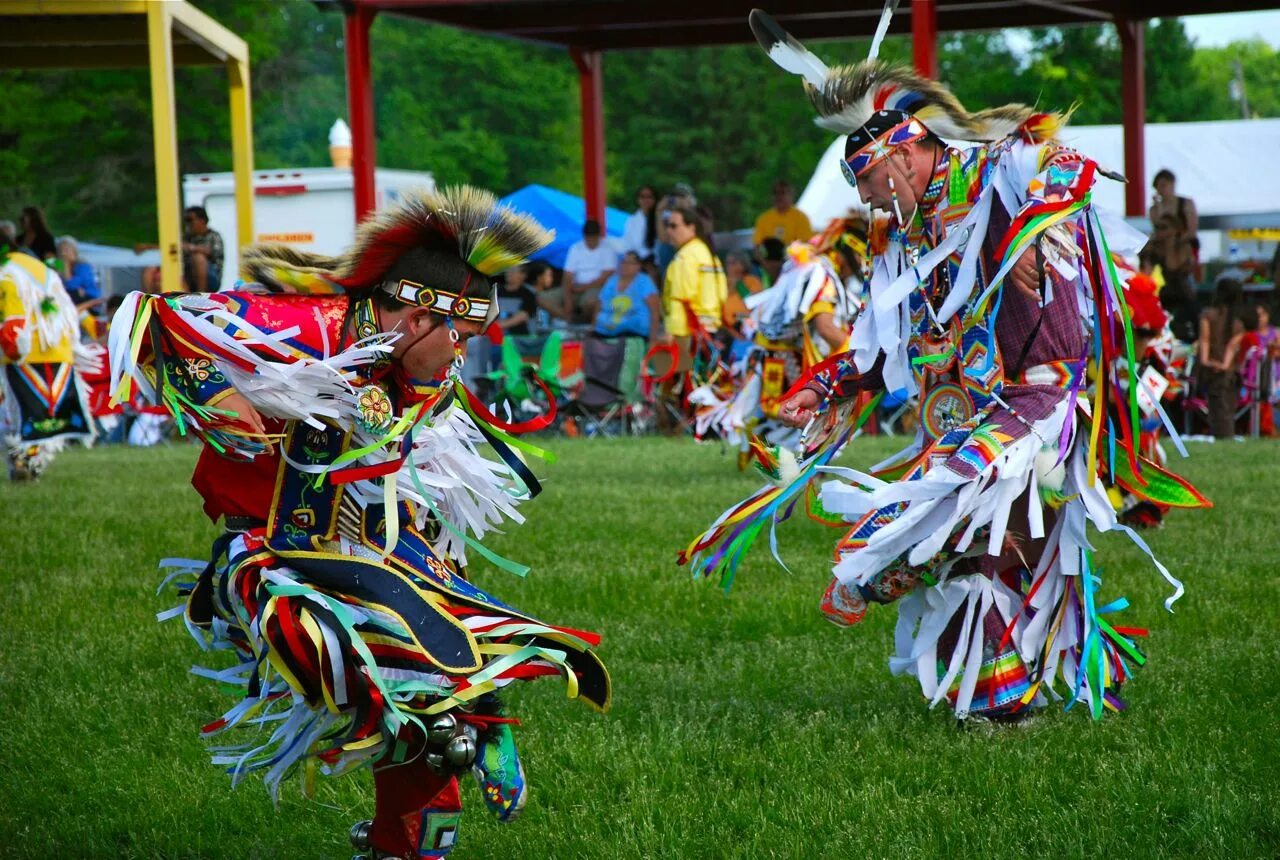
[(158, 34)]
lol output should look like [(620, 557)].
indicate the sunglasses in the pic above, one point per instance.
[(671, 225)]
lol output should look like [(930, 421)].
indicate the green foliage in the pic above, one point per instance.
[(743, 726), (1261, 65), (503, 114)]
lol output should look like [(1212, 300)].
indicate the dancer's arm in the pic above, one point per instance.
[(833, 384), (219, 374)]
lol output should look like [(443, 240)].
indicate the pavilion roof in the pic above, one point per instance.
[(623, 24)]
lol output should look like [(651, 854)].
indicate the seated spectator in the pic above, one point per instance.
[(589, 264), (628, 305), (202, 255), (783, 221), (78, 276), (517, 302), (771, 254), (541, 278), (641, 233), (202, 252), (737, 270)]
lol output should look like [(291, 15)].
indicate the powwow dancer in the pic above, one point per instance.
[(1155, 347), (42, 401), (347, 486), (796, 323), (995, 291)]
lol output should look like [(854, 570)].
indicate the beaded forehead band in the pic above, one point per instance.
[(442, 302), (877, 149)]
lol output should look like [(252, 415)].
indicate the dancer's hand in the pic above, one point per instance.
[(798, 410), (1025, 274), (246, 418)]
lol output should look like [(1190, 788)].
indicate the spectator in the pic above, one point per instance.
[(1178, 248), (9, 234), (1254, 367), (77, 276), (696, 286), (541, 278), (35, 235), (1166, 202), (628, 305), (641, 232), (1220, 334), (517, 302), (741, 284), (665, 250), (590, 263), (1177, 296), (1269, 340), (202, 252), (784, 221), (1268, 336), (771, 253), (517, 305), (693, 294)]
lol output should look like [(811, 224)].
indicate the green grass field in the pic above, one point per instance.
[(743, 725)]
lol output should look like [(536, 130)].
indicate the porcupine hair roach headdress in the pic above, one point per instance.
[(881, 106), (433, 249)]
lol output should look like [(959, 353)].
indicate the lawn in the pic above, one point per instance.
[(743, 725)]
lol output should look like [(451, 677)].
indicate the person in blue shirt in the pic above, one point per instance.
[(628, 304), (77, 276)]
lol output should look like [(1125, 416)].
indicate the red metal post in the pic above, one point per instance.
[(1134, 96), (591, 91), (360, 107), (924, 36)]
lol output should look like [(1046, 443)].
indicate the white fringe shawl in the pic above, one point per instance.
[(937, 504), (470, 492)]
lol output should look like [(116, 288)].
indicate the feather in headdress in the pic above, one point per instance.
[(847, 96), (467, 221)]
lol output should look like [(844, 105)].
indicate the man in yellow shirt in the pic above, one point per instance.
[(693, 294), (41, 399), (695, 281), (784, 221)]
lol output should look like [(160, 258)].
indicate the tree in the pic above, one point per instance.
[(502, 114), (1215, 68)]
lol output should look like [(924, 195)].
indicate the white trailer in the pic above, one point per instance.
[(310, 207)]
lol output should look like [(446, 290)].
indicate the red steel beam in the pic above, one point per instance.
[(591, 90), (1134, 96), (924, 37), (360, 106)]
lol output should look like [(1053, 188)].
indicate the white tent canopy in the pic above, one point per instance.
[(1227, 167)]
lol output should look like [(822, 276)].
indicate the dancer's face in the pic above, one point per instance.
[(873, 187), (425, 347)]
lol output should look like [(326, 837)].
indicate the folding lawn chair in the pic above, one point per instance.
[(608, 392), (516, 380)]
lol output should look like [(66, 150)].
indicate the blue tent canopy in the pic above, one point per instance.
[(563, 212)]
